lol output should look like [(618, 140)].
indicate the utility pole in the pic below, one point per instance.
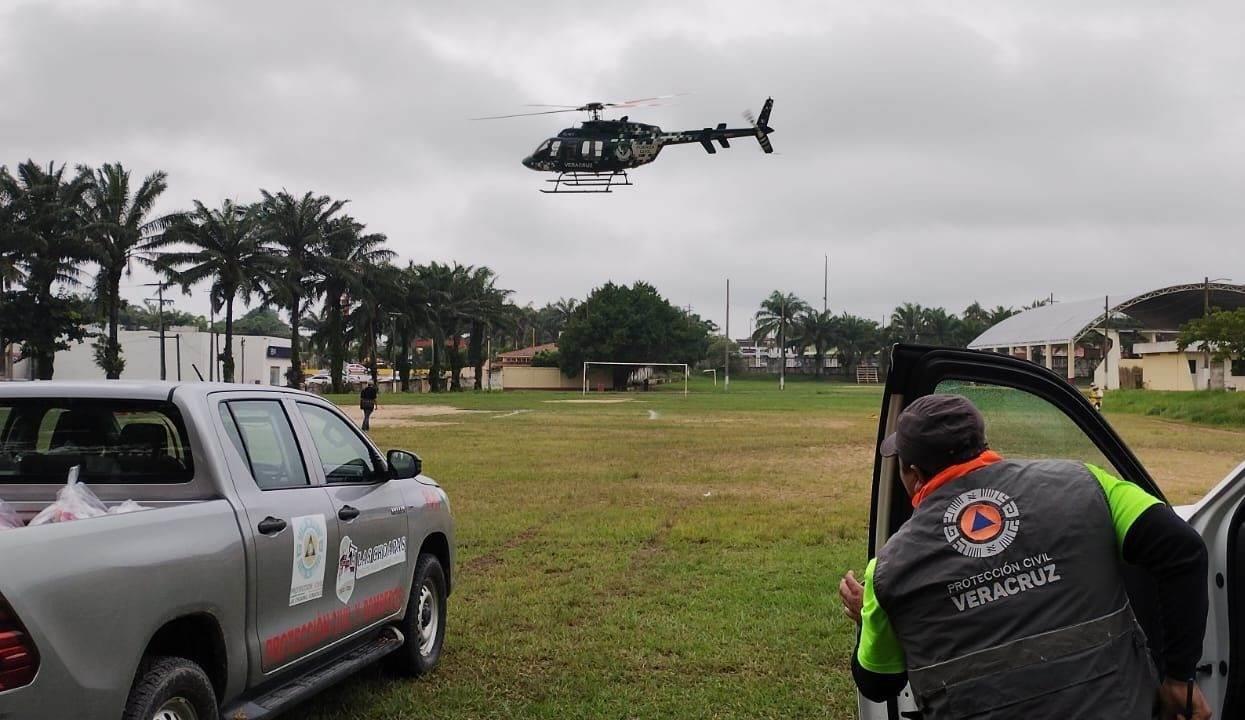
[(1106, 343), (160, 319), (211, 337), (242, 376), (727, 369), (825, 289), (1206, 314)]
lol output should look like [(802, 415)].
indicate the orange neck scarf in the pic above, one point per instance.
[(988, 457)]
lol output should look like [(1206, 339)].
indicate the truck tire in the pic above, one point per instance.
[(171, 688), (424, 624)]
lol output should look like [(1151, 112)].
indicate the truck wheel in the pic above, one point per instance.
[(424, 624), (171, 688)]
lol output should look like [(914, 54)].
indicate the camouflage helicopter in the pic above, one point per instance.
[(596, 156)]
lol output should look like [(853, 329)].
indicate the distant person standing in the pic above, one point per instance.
[(367, 403)]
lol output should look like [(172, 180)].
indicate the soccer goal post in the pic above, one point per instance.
[(634, 364)]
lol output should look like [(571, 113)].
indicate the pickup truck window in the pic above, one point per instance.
[(344, 455), (262, 433), (113, 441)]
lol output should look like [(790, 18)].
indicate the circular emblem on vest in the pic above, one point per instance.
[(980, 523)]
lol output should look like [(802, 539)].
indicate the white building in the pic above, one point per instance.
[(258, 359)]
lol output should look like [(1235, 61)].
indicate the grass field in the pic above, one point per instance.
[(1223, 409), (662, 556)]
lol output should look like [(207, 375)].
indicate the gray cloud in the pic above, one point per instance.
[(940, 153)]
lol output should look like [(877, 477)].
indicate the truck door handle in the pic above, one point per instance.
[(271, 525), (348, 513)]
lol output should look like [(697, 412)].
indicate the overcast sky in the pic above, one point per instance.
[(939, 152)]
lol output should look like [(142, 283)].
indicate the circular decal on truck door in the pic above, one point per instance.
[(347, 569)]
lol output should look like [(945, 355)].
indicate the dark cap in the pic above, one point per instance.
[(937, 431)]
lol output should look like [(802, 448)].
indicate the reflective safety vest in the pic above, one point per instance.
[(1004, 591)]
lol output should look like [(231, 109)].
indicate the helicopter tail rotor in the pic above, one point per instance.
[(761, 125)]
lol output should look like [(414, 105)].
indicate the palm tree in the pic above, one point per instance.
[(443, 285), (371, 315), (46, 246), (297, 228), (223, 247), (818, 330), (939, 327), (486, 308), (117, 223), (349, 253), (777, 317), (907, 322), (857, 338)]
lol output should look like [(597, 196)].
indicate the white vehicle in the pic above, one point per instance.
[(321, 379), (1032, 412), (356, 369)]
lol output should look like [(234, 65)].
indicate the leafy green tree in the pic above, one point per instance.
[(223, 248), (261, 321), (630, 324), (46, 247), (1221, 333), (818, 330), (117, 223), (371, 314), (146, 317), (296, 227), (720, 348), (777, 318)]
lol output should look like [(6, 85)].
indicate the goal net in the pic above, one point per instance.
[(638, 365)]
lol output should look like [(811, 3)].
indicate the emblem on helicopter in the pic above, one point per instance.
[(583, 165)]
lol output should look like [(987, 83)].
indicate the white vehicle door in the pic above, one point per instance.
[(1219, 517)]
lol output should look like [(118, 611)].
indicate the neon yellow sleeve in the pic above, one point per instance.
[(879, 650), (1125, 500)]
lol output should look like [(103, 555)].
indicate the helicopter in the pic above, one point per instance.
[(596, 156)]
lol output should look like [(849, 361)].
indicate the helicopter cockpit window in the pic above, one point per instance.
[(543, 147), (554, 148)]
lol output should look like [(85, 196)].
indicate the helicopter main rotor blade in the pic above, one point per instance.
[(543, 112), (638, 101)]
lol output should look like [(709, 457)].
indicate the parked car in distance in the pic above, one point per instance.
[(279, 553)]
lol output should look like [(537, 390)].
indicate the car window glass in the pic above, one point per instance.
[(111, 441), (268, 443), (1022, 425), (344, 455)]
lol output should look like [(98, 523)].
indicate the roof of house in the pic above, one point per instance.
[(1162, 309), (529, 352)]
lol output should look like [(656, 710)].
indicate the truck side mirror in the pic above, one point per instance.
[(403, 464)]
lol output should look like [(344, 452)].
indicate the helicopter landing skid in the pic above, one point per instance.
[(587, 182)]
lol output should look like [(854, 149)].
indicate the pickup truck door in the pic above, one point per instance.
[(373, 568), (1030, 412), (290, 526)]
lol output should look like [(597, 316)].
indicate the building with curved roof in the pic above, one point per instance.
[(1055, 335)]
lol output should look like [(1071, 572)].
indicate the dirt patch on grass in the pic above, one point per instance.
[(608, 401), (408, 415)]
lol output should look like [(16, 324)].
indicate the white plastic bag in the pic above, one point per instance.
[(75, 501), (9, 519), (128, 506)]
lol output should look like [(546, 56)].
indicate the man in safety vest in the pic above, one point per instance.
[(1002, 596)]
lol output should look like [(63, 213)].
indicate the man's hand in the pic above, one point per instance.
[(853, 595), (1174, 698)]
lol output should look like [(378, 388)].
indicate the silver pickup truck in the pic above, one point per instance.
[(280, 552)]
